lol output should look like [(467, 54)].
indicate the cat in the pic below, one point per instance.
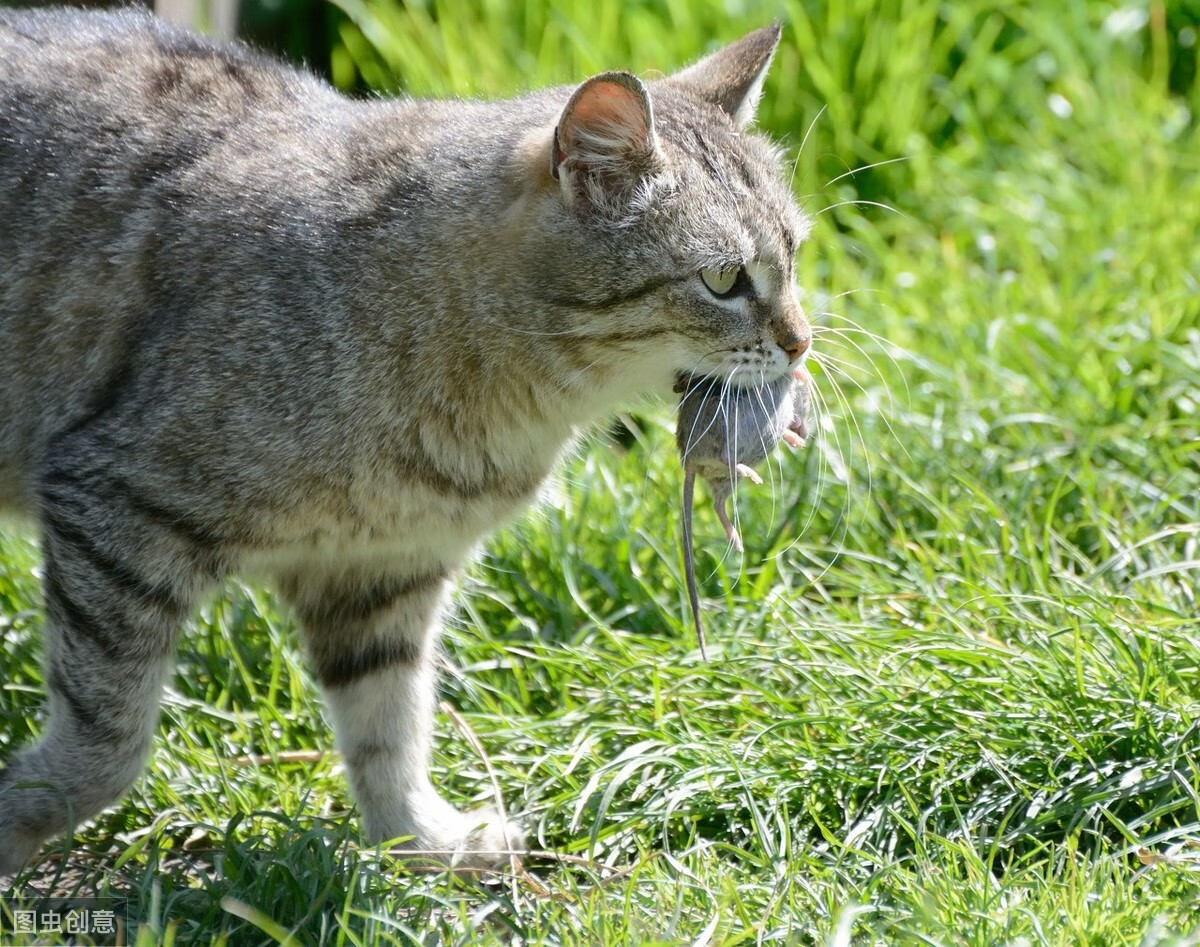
[(250, 324)]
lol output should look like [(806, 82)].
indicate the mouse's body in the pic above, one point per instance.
[(722, 431)]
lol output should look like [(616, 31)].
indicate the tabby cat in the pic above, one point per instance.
[(250, 325)]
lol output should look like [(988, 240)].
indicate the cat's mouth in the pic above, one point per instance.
[(741, 376), (747, 366), (738, 375)]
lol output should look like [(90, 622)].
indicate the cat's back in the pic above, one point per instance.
[(130, 63), (129, 149), (114, 120), (123, 100)]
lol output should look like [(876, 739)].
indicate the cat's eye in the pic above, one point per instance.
[(722, 281)]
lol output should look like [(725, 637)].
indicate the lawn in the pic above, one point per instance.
[(953, 694)]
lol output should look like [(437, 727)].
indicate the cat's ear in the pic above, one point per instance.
[(732, 77), (604, 143)]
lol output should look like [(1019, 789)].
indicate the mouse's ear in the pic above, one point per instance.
[(732, 77), (604, 143)]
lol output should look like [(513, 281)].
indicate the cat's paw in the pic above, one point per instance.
[(17, 848), (489, 840), (478, 839)]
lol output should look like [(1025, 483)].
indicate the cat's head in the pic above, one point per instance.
[(676, 230)]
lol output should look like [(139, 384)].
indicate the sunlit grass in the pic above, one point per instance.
[(953, 695)]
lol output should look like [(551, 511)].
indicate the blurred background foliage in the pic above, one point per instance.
[(896, 77)]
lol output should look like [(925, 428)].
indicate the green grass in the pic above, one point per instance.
[(955, 693)]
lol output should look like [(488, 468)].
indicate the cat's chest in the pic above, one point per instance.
[(402, 511), (432, 502)]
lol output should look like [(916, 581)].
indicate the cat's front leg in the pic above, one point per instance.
[(372, 640), (117, 585)]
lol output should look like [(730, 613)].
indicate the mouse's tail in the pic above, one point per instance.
[(689, 558)]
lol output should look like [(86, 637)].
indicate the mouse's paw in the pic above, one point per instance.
[(749, 473), (794, 438), (735, 538), (800, 427)]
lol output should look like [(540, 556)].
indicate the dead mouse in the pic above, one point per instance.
[(722, 430)]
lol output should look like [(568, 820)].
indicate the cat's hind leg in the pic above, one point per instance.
[(372, 641), (113, 608)]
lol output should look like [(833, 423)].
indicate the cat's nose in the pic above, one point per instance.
[(796, 345)]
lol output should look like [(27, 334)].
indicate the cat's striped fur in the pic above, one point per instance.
[(249, 324)]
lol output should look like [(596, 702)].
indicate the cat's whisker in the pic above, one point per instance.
[(832, 345), (851, 292), (826, 359), (754, 390), (840, 394), (860, 202), (888, 347), (693, 439), (847, 369), (803, 142), (882, 341), (767, 450), (727, 405), (838, 339), (834, 427), (824, 411), (844, 335), (817, 411), (854, 326), (820, 411), (865, 167), (835, 365), (734, 406), (690, 373), (731, 405), (848, 501)]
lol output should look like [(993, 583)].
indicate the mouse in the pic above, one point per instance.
[(722, 430)]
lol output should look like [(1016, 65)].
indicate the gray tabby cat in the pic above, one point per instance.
[(247, 324)]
